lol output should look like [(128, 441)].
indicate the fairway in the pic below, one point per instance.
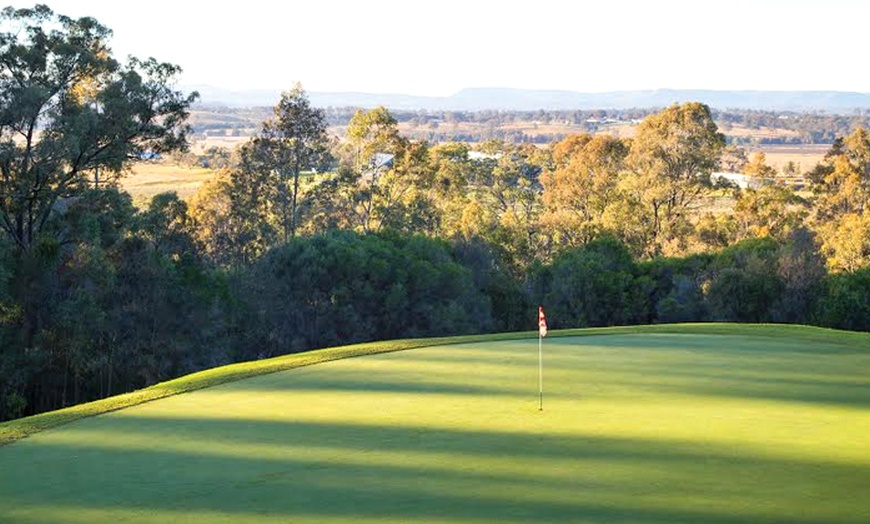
[(647, 428)]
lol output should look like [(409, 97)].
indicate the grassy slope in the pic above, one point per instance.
[(17, 429), (714, 423)]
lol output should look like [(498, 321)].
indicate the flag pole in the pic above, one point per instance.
[(541, 371), (542, 332)]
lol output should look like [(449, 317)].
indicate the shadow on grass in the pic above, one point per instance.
[(318, 470), (671, 363)]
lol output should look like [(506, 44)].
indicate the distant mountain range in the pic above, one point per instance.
[(531, 100)]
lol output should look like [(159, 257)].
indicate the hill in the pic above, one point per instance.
[(702, 423), (476, 99)]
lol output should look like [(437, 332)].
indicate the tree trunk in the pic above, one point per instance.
[(293, 208)]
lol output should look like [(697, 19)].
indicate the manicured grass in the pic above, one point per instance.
[(699, 423)]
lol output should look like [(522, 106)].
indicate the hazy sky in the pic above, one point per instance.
[(440, 47)]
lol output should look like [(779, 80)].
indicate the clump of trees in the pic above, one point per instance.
[(305, 241)]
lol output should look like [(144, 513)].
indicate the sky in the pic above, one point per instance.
[(436, 48)]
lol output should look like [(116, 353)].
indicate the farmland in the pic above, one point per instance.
[(147, 179), (227, 129), (662, 424)]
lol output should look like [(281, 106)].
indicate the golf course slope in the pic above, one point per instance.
[(695, 423)]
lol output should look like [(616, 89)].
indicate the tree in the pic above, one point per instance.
[(801, 268), (845, 303), (505, 204), (846, 242), (383, 181), (672, 156), (451, 170), (294, 140), (69, 112), (773, 211), (841, 183), (594, 285), (734, 159), (842, 180), (578, 191), (757, 167), (744, 282)]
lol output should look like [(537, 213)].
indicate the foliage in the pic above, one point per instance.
[(254, 204), (285, 251), (845, 303), (677, 294), (382, 182), (344, 287), (769, 211), (69, 113), (294, 140), (743, 284), (593, 285), (757, 167), (672, 156), (842, 215), (842, 180), (847, 242), (582, 188)]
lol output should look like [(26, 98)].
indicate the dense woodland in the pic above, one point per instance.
[(304, 240)]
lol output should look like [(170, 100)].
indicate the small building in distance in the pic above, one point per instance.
[(740, 180), (382, 160)]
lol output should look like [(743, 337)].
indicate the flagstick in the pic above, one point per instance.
[(541, 371)]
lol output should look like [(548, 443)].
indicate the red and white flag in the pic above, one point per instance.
[(542, 322)]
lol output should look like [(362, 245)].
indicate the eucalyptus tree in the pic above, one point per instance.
[(72, 117), (672, 156), (294, 140), (841, 183), (70, 113), (383, 180), (581, 187)]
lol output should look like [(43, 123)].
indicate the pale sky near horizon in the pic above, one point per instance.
[(438, 48)]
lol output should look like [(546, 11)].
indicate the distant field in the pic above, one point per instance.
[(805, 156), (226, 142), (150, 178), (720, 424)]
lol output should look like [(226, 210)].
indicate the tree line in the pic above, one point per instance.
[(305, 241), (783, 127)]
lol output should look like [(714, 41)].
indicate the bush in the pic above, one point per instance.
[(744, 284), (343, 287), (845, 303), (594, 285)]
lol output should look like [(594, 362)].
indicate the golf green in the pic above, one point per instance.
[(647, 428)]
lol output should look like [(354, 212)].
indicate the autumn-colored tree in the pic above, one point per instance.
[(228, 233), (773, 211), (581, 187), (672, 156), (758, 168), (841, 183), (383, 180), (292, 141), (842, 180), (846, 242)]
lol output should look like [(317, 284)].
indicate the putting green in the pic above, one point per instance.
[(649, 428)]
